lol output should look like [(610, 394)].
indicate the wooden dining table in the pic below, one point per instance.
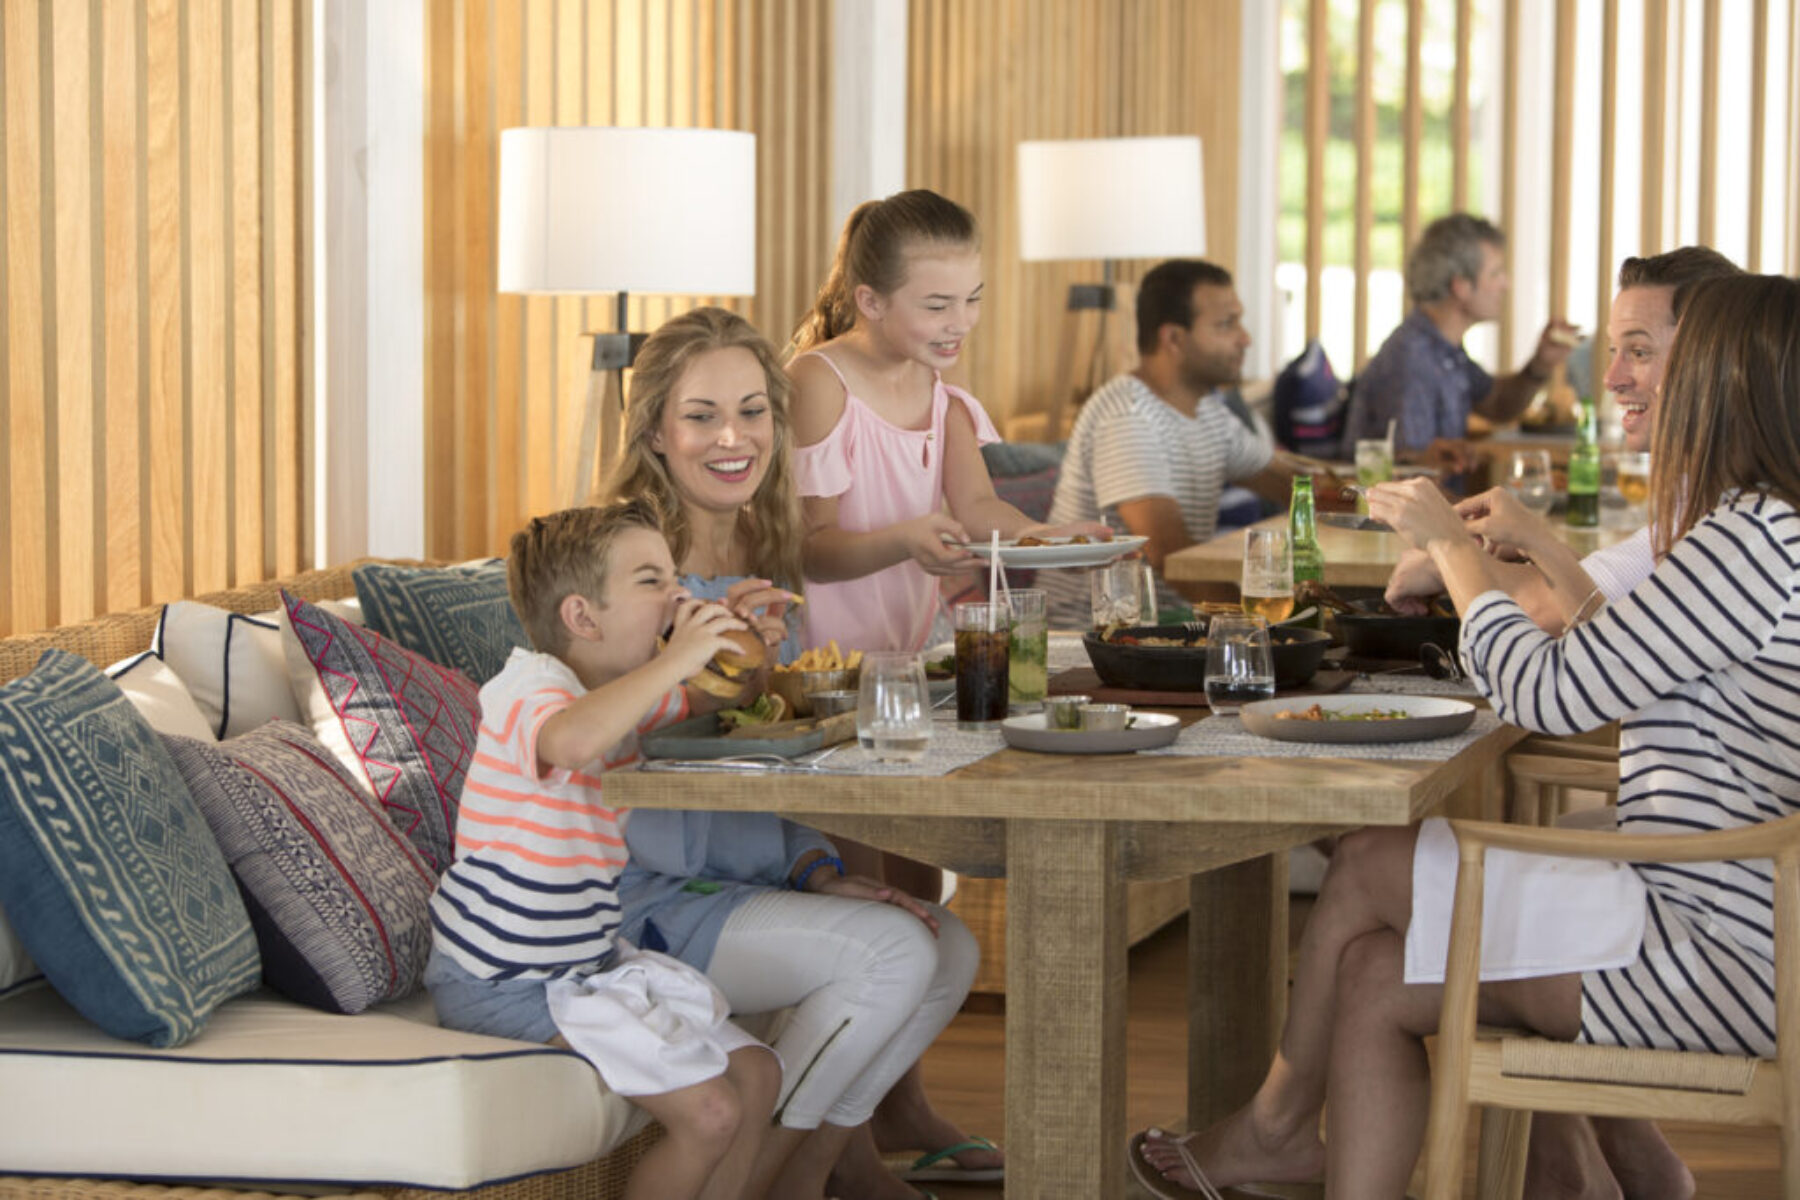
[(1353, 558), (1068, 832)]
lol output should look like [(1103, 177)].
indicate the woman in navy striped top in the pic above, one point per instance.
[(1702, 664)]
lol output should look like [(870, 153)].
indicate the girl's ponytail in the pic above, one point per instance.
[(833, 311)]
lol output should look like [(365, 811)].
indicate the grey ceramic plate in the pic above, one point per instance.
[(1148, 730), (1427, 717), (701, 737), (1057, 552)]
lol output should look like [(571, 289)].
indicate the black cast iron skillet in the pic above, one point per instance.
[(1376, 631), (1296, 652)]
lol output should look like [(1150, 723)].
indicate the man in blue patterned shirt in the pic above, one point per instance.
[(1422, 379)]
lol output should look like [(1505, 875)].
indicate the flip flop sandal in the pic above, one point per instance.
[(940, 1166), (1168, 1189)]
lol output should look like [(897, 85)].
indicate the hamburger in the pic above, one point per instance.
[(729, 670)]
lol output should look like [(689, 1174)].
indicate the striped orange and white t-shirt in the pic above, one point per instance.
[(533, 891)]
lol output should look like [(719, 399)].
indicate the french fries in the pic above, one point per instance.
[(824, 658)]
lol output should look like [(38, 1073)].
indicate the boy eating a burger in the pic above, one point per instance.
[(525, 919)]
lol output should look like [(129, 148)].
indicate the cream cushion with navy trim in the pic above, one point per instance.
[(271, 1091)]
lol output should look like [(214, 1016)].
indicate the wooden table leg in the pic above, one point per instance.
[(1065, 1011), (1237, 982)]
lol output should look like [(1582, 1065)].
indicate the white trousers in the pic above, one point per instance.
[(869, 985)]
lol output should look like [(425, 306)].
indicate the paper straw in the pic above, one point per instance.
[(1392, 421), (994, 569)]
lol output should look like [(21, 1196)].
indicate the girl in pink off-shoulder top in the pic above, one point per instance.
[(890, 470)]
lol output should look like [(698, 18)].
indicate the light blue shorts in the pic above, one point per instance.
[(509, 1008)]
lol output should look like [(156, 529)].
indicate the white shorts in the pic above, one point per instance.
[(1540, 915), (650, 1024)]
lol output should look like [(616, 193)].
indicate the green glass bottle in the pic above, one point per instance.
[(1584, 467), (1303, 536)]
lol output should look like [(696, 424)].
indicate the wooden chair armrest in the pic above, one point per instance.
[(1539, 743), (1763, 840), (1600, 775)]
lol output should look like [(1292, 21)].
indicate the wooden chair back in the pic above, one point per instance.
[(1513, 1074)]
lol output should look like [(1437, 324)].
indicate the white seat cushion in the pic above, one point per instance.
[(272, 1091)]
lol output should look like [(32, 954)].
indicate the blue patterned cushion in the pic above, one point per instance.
[(107, 869), (337, 896), (458, 617)]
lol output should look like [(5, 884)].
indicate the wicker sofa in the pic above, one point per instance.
[(273, 1093)]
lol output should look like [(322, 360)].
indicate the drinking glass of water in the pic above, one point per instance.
[(893, 708), (1529, 479), (1239, 665)]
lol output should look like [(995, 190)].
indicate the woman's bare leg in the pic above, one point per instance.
[(1564, 1160), (1642, 1160), (1275, 1138), (1380, 1089), (814, 1154)]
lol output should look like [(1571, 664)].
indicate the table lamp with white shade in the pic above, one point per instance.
[(1106, 199), (588, 210)]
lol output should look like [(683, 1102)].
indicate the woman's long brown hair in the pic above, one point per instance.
[(770, 523), (1729, 417)]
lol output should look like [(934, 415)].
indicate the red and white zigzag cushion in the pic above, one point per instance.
[(401, 723)]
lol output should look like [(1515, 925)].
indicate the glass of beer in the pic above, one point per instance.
[(1267, 588), (983, 645), (1634, 478), (1240, 667), (893, 707), (1028, 655)]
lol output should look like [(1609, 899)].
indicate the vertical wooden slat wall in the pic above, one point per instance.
[(1662, 102), (152, 392), (503, 373), (986, 76)]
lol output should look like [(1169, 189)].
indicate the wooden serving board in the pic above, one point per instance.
[(1083, 681)]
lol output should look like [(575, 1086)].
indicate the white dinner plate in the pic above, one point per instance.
[(1058, 552), (1426, 717), (1146, 731)]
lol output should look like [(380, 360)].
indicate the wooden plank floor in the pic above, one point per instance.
[(964, 1068)]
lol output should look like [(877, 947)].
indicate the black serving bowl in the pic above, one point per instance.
[(1376, 631), (1296, 651)]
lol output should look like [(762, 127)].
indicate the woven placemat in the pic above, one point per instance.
[(1416, 684), (951, 749), (1225, 737), (1085, 681)]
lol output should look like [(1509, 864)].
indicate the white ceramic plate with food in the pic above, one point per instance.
[(1147, 731), (1357, 718), (1056, 552)]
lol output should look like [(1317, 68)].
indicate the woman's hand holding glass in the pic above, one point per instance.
[(1416, 510), (1508, 528)]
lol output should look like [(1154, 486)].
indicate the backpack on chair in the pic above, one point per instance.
[(1309, 405)]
